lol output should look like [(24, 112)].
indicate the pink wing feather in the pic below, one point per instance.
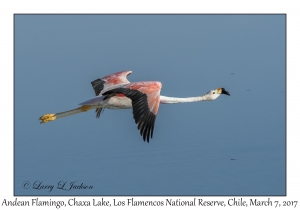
[(111, 81), (145, 97), (151, 89)]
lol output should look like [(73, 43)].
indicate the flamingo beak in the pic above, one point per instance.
[(225, 92)]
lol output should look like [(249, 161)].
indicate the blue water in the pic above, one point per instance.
[(235, 145)]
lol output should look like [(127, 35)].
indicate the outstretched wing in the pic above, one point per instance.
[(111, 81), (145, 97)]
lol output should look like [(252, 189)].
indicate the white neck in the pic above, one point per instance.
[(172, 100)]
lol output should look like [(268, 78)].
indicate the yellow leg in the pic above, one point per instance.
[(85, 108), (50, 117)]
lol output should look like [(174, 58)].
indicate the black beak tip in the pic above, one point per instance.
[(225, 92)]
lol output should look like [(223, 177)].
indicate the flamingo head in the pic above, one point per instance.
[(213, 94)]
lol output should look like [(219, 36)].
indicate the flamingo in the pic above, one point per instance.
[(116, 92)]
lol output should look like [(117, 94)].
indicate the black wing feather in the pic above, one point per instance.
[(142, 115), (99, 111), (98, 85)]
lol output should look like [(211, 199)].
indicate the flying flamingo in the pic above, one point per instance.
[(116, 92)]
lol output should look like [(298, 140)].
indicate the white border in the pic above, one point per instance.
[(9, 8)]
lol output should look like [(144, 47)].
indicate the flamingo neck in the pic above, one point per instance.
[(173, 100)]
